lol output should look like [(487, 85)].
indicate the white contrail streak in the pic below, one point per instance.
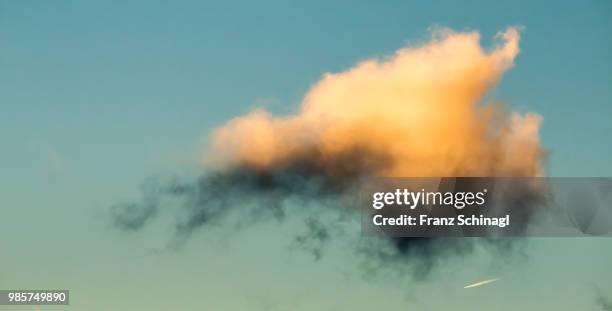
[(481, 283)]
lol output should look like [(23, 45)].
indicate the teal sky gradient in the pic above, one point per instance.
[(97, 96)]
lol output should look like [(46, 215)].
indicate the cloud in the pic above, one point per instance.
[(603, 302), (419, 112)]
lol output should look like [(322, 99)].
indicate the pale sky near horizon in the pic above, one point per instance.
[(98, 96)]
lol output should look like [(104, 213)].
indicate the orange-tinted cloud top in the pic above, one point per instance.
[(419, 112)]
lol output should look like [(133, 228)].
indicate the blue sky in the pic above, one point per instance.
[(96, 96)]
